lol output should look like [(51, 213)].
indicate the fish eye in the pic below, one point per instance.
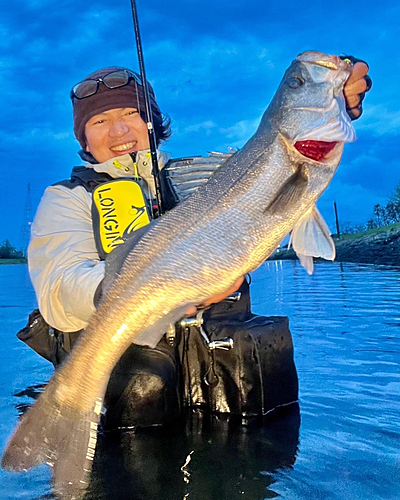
[(295, 81)]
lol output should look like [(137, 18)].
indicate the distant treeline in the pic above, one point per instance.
[(381, 215), (7, 251)]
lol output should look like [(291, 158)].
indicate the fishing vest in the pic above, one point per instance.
[(119, 206), (122, 205)]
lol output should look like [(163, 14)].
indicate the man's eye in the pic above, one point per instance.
[(98, 122), (133, 112)]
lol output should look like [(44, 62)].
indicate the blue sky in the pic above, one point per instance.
[(214, 67)]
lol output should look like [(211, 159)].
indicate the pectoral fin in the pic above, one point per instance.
[(290, 192), (310, 238)]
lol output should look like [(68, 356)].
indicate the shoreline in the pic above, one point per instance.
[(13, 261), (379, 246)]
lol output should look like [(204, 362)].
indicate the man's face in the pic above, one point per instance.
[(115, 133)]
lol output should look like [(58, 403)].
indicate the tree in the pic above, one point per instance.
[(393, 211), (389, 214), (380, 216), (395, 196), (347, 227), (7, 251)]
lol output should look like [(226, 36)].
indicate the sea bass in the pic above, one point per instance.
[(227, 228)]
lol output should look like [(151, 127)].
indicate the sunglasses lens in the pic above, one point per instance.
[(113, 80), (116, 79), (85, 88)]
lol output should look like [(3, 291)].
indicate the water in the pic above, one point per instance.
[(345, 323)]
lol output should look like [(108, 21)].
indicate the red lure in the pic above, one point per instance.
[(316, 150)]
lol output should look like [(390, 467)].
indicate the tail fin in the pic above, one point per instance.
[(58, 434)]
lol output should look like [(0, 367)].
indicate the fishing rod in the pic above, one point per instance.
[(149, 116)]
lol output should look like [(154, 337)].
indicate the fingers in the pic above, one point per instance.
[(355, 112), (222, 296), (356, 86), (192, 310), (352, 101), (360, 69)]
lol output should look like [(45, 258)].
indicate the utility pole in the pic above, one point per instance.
[(26, 222), (336, 219)]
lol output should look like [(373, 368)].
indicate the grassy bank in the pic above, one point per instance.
[(375, 246), (370, 232), (12, 261)]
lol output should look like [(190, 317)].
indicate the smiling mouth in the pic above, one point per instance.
[(316, 150), (123, 147)]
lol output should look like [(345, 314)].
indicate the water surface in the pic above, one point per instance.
[(345, 324)]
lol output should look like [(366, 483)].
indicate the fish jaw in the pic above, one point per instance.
[(326, 68), (321, 59), (309, 103), (315, 152), (336, 125)]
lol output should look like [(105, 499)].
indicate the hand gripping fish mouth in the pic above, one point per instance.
[(324, 142), (225, 229)]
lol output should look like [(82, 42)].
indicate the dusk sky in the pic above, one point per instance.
[(214, 66)]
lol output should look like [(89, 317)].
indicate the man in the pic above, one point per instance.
[(79, 223), (63, 259)]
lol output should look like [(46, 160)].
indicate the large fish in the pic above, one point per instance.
[(227, 228)]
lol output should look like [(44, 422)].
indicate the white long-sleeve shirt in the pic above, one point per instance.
[(63, 262)]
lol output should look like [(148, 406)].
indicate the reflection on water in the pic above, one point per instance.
[(28, 395), (209, 458), (344, 320)]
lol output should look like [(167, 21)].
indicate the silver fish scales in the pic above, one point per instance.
[(225, 229)]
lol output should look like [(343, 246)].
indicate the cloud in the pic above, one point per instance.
[(214, 67), (380, 119), (373, 162), (241, 130), (207, 126)]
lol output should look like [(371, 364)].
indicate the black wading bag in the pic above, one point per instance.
[(234, 362), (249, 375)]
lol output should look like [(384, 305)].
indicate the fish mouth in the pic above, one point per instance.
[(332, 122), (319, 151), (320, 59), (337, 127)]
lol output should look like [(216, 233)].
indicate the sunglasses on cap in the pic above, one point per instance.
[(112, 80)]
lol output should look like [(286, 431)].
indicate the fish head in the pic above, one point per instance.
[(309, 108)]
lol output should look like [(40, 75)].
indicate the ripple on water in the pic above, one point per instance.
[(344, 321)]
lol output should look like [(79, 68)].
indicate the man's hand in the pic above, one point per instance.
[(217, 298), (356, 86)]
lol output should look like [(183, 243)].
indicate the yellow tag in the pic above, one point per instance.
[(118, 164), (121, 208)]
